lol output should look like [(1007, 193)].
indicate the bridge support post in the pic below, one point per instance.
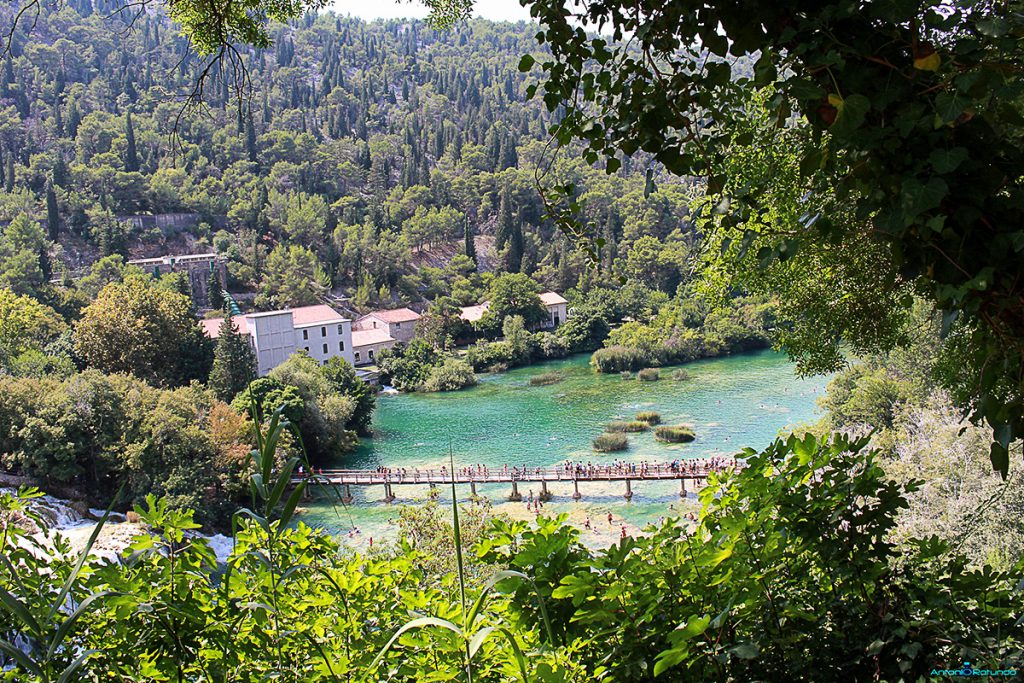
[(516, 496), (472, 490), (629, 491), (347, 496), (545, 495), (682, 488), (576, 489), (389, 495)]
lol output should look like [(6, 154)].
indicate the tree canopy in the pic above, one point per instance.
[(906, 119)]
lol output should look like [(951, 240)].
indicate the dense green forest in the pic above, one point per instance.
[(359, 152), (843, 183)]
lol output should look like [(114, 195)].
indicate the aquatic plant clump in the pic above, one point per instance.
[(649, 416), (617, 359), (627, 426), (680, 375), (675, 434), (610, 443), (649, 375), (546, 378)]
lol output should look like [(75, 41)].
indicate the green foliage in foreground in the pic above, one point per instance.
[(788, 575)]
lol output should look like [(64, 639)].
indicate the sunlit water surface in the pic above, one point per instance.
[(730, 402)]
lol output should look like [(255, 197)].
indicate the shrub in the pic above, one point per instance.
[(649, 375), (451, 375), (680, 375), (626, 374), (649, 416), (675, 434), (624, 426), (618, 358), (608, 443), (546, 378)]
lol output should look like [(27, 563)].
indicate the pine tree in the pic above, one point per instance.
[(234, 364), (131, 157), (52, 213)]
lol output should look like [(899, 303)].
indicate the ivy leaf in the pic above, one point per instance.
[(745, 650), (947, 160), (850, 116)]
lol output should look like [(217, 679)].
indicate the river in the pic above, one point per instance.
[(731, 402)]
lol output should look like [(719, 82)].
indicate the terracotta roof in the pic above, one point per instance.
[(211, 326), (552, 299), (395, 315), (301, 317), (474, 313), (311, 315), (368, 337)]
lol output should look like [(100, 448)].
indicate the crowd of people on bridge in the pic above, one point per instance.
[(568, 469), (622, 468)]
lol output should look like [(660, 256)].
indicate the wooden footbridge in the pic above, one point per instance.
[(694, 471)]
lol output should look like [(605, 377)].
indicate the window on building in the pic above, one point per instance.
[(339, 330), (323, 331), (398, 326), (357, 356), (305, 334), (325, 348), (341, 346), (307, 349), (369, 354)]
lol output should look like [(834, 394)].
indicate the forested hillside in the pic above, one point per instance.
[(352, 154)]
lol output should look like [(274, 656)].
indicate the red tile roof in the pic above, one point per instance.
[(211, 326), (311, 315), (552, 299), (368, 337), (301, 317), (395, 315), (474, 313)]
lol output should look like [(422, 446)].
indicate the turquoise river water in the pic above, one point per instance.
[(731, 402)]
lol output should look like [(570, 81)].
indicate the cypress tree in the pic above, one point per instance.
[(234, 364), (9, 172), (60, 171), (250, 140), (516, 247), (52, 213), (470, 242), (131, 157), (74, 120), (504, 232), (213, 290)]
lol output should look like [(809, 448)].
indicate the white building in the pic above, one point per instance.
[(381, 330), (400, 323), (320, 331), (555, 303), (558, 308)]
